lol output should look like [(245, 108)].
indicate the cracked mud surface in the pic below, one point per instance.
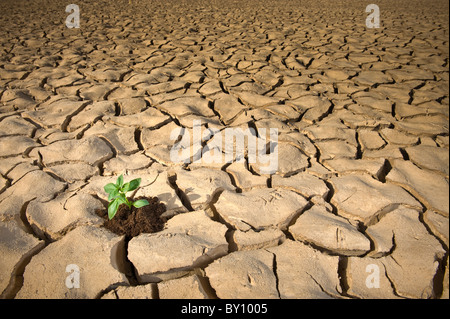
[(363, 172)]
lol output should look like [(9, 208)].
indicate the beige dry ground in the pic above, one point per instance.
[(361, 189)]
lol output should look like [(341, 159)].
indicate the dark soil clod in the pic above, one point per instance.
[(134, 221)]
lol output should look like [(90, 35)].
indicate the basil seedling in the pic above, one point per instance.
[(117, 195)]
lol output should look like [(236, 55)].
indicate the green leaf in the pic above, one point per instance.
[(112, 208), (124, 200), (140, 203), (114, 205), (134, 184), (109, 188), (125, 187), (119, 181), (113, 194)]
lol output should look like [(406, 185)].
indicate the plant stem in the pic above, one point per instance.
[(128, 203)]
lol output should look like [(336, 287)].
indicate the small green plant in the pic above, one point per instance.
[(117, 195)]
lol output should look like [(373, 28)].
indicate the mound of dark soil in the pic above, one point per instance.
[(134, 221)]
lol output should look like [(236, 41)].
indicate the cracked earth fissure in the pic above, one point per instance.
[(362, 120)]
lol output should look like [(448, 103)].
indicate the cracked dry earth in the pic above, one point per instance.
[(362, 116)]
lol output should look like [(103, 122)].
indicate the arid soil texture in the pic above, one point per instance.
[(357, 208)]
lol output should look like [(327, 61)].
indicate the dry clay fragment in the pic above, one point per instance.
[(303, 183), (200, 185), (20, 170), (150, 118), (290, 160), (333, 149), (370, 140), (394, 136), (130, 106), (158, 185), (160, 136), (16, 145), (430, 157), (96, 92), (24, 190), (72, 172), (378, 198), (347, 166), (9, 163), (331, 129), (15, 125), (310, 102), (430, 125), (188, 287), (430, 187), (93, 253), (3, 184), (189, 240), (372, 77), (67, 210), (256, 100), (121, 138), (367, 279), (415, 252), (107, 74), (55, 113), (51, 135), (183, 106), (244, 179), (131, 292), (252, 240), (228, 107), (124, 163), (260, 208), (326, 230), (91, 113), (16, 246), (244, 275), (301, 141), (305, 273), (91, 150), (445, 292), (438, 224)]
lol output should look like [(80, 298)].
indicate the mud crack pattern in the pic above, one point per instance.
[(363, 171)]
